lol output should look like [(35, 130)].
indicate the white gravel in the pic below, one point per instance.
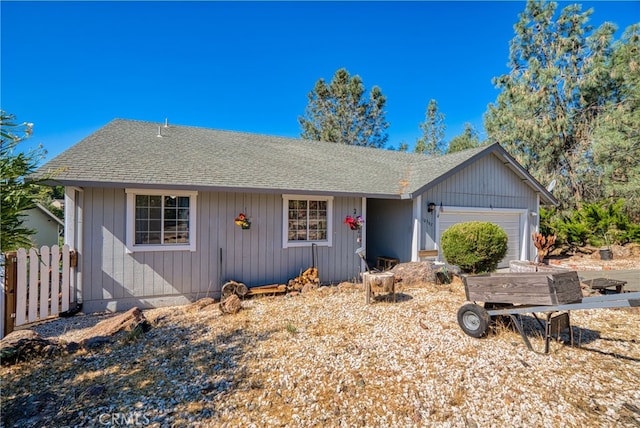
[(326, 359)]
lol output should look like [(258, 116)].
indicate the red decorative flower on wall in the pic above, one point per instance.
[(243, 221), (354, 222)]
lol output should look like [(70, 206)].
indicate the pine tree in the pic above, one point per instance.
[(617, 137), (432, 140), (552, 97), (467, 140), (339, 112)]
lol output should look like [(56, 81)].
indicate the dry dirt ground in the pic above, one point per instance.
[(624, 258), (325, 359)]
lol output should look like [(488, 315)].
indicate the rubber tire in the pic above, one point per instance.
[(474, 320)]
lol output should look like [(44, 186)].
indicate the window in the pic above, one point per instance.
[(307, 220), (160, 220)]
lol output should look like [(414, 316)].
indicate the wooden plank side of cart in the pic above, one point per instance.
[(534, 288)]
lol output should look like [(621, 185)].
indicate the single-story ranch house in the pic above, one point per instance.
[(151, 208)]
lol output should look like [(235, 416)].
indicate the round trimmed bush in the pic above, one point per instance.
[(474, 246)]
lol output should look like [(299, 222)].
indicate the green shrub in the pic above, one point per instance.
[(475, 246), (598, 224)]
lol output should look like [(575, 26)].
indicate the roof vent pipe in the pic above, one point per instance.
[(166, 122), (159, 131)]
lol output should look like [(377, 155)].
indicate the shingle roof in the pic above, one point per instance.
[(127, 153)]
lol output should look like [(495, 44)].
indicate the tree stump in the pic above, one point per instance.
[(378, 282)]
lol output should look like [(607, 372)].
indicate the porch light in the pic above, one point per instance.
[(431, 207)]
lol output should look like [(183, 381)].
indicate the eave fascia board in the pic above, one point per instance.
[(499, 151), (455, 170), (226, 189)]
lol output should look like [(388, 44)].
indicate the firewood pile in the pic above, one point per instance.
[(233, 291), (307, 281)]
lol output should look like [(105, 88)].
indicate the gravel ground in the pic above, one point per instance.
[(325, 358)]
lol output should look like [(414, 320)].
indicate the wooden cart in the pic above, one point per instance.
[(514, 294)]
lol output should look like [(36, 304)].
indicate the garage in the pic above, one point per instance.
[(511, 220)]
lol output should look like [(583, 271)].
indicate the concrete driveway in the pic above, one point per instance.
[(631, 276)]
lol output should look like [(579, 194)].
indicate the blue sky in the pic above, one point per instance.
[(71, 67)]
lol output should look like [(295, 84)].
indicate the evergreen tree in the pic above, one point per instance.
[(552, 97), (339, 112), (467, 140), (432, 140), (617, 137), (16, 194), (403, 147)]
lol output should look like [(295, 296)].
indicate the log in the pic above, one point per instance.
[(233, 287), (230, 305), (241, 290), (228, 289)]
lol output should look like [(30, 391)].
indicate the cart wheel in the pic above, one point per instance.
[(473, 320)]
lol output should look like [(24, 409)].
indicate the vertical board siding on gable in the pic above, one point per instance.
[(485, 183), (253, 256)]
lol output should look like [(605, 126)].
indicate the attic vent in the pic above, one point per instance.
[(159, 132)]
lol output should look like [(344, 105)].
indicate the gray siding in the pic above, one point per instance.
[(47, 230), (389, 229), (115, 279), (486, 183)]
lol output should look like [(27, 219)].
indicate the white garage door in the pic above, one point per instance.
[(509, 221)]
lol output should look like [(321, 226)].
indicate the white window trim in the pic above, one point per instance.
[(285, 221), (130, 210)]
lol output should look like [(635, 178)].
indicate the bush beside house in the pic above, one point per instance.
[(475, 246)]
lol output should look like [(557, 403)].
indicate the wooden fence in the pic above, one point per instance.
[(38, 284)]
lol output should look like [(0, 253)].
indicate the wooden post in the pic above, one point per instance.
[(10, 280)]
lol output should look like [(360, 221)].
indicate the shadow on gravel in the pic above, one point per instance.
[(534, 331), (399, 298), (134, 381)]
